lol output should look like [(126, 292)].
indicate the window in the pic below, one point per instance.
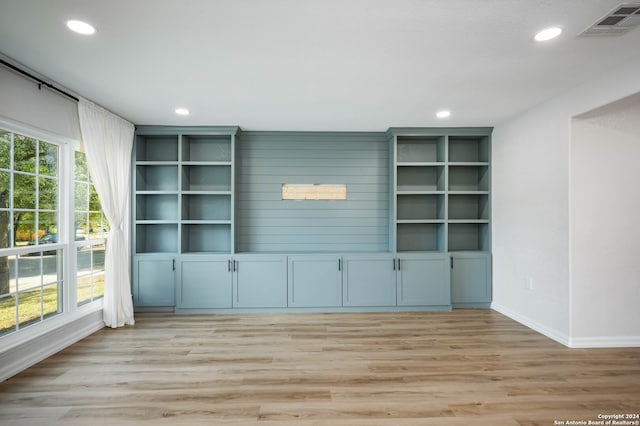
[(31, 258), (47, 209), (91, 228)]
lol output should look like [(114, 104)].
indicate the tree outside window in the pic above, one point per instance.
[(30, 275), (91, 228)]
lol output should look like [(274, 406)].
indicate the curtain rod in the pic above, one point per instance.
[(38, 80)]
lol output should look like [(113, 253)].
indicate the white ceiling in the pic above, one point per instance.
[(314, 64)]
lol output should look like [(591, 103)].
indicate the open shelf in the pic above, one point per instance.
[(469, 206), (421, 149), (157, 178), (420, 207), (420, 237), (206, 178), (206, 238), (159, 238), (468, 236), (468, 178), (420, 178), (157, 207), (157, 148), (468, 149), (206, 148), (206, 207)]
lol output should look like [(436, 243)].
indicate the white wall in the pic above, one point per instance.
[(531, 166), (530, 181), (605, 230)]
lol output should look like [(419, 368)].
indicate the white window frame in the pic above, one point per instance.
[(66, 239)]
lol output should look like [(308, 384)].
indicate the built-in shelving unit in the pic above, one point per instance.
[(156, 194), (420, 176), (441, 190), (468, 195), (184, 190), (207, 191), (212, 232)]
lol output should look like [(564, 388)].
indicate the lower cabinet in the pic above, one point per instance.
[(199, 281), (471, 280), (154, 281), (259, 281), (423, 279), (420, 279), (314, 281), (215, 282), (205, 282), (369, 280)]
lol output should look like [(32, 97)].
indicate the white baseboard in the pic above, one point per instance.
[(559, 337), (571, 342), (29, 353), (605, 342)]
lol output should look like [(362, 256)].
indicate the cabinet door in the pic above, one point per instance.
[(423, 280), (470, 279), (260, 281), (369, 280), (205, 282), (315, 281), (154, 282)]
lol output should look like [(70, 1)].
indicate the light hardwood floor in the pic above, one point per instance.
[(466, 367)]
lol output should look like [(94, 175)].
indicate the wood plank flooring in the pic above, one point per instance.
[(466, 367)]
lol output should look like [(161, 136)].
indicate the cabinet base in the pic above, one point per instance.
[(445, 308), (475, 305), (154, 309)]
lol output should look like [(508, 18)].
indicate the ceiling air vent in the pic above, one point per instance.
[(620, 20)]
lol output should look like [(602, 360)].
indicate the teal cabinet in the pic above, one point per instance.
[(314, 281), (154, 281), (205, 282), (210, 230), (417, 279), (369, 280), (423, 280), (183, 191), (226, 282), (470, 280), (259, 281)]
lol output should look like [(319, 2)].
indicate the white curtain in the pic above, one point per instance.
[(108, 140)]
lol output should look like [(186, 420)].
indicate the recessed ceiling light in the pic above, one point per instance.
[(182, 111), (548, 34), (80, 27), (443, 114)]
